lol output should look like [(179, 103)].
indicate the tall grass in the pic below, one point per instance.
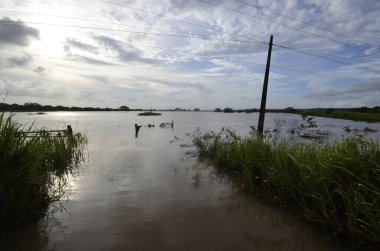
[(31, 170), (336, 185)]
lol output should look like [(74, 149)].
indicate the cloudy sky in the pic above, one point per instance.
[(190, 53)]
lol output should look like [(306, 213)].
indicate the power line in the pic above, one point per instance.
[(222, 58), (84, 19), (289, 69), (343, 60), (245, 62), (15, 23), (310, 24), (241, 61), (234, 60), (280, 24), (326, 58), (233, 76), (303, 22), (217, 30), (180, 21), (134, 26), (88, 20), (112, 23), (333, 58)]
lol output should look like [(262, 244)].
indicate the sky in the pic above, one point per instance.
[(203, 54)]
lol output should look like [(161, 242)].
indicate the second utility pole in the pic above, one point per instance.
[(260, 126)]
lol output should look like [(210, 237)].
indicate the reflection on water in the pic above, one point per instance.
[(148, 193)]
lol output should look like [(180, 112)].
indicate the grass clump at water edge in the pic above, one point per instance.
[(32, 170), (336, 185)]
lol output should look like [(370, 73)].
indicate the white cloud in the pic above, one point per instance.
[(152, 70)]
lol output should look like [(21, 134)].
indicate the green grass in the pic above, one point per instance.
[(33, 170), (350, 115), (335, 185)]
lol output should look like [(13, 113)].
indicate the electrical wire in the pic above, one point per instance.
[(290, 69), (15, 23), (232, 60), (326, 58), (147, 27), (303, 22), (280, 24), (210, 28), (180, 21)]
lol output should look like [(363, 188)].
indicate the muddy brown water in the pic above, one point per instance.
[(148, 193)]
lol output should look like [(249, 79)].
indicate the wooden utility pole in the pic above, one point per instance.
[(260, 126)]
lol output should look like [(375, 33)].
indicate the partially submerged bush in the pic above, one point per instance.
[(336, 185), (228, 110), (31, 170)]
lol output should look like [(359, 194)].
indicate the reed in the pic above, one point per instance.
[(336, 185), (33, 170)]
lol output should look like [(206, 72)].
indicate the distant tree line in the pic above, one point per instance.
[(364, 109), (35, 107)]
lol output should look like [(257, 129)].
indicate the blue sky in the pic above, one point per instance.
[(115, 52)]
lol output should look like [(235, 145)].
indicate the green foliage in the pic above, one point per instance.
[(33, 170), (336, 185), (124, 108), (228, 110), (218, 110)]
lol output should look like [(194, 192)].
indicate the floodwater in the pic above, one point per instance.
[(149, 193)]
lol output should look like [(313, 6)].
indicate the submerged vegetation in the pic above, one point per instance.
[(149, 114), (33, 170), (335, 185)]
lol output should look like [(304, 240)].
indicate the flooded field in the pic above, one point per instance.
[(149, 193)]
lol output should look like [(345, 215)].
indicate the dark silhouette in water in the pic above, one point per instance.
[(137, 129)]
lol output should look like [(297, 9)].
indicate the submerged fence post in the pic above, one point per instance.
[(137, 129), (260, 126)]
